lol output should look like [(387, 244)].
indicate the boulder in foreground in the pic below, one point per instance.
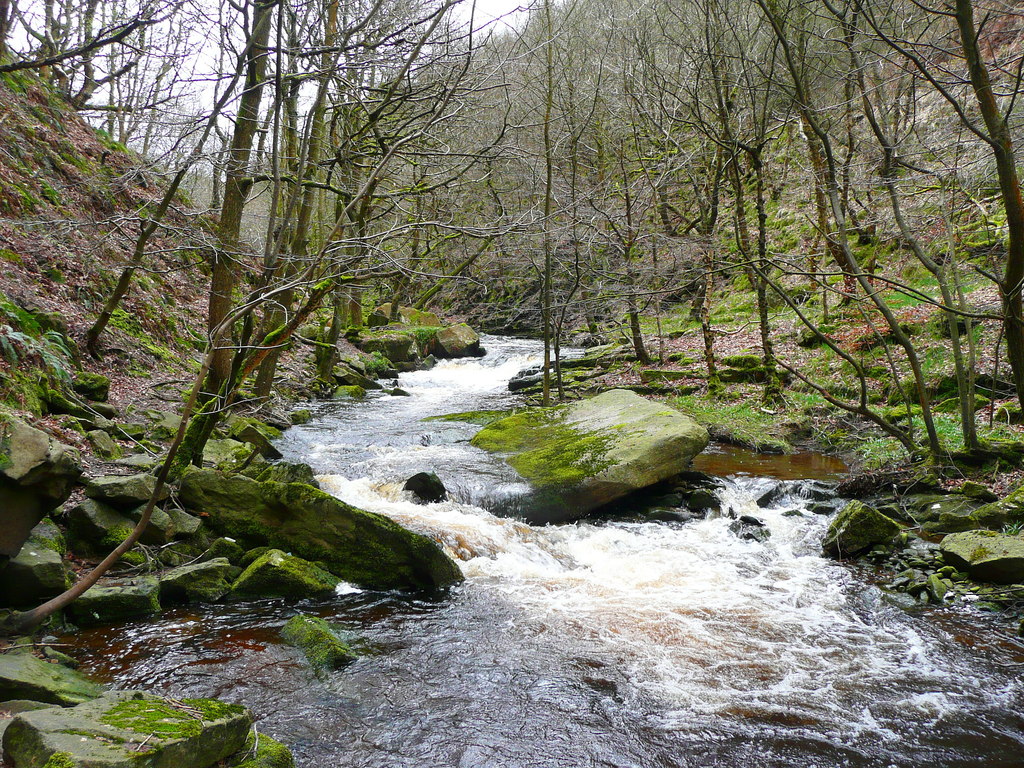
[(363, 548), (128, 729), (986, 555), (581, 456), (24, 676)]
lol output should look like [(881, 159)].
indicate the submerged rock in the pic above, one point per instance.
[(426, 487), (581, 456), (857, 528), (23, 676), (986, 555), (322, 646), (366, 549), (275, 574), (129, 729)]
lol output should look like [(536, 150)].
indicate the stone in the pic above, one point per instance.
[(288, 472), (165, 424), (398, 392), (654, 376), (456, 341), (301, 416), (103, 444), (95, 528), (256, 434), (38, 572), (37, 474), (205, 582), (986, 555), (745, 361), (93, 386), (426, 488), (226, 548), (229, 454), (857, 528), (276, 574), (936, 588), (261, 751), (410, 316), (346, 376), (396, 346), (363, 548), (750, 531), (183, 524), (24, 676), (129, 729), (124, 491), (321, 645), (116, 600), (973, 490), (106, 410), (348, 393), (8, 709), (581, 456)]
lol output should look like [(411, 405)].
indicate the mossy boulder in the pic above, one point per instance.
[(165, 424), (348, 392), (300, 416), (581, 456), (38, 572), (93, 386), (346, 376), (276, 574), (409, 315), (116, 600), (986, 555), (656, 376), (204, 582), (129, 729), (255, 433), (124, 491), (456, 341), (287, 472), (857, 528), (224, 547), (261, 751), (37, 474), (396, 346), (318, 641), (95, 528), (743, 361), (358, 546), (104, 446), (24, 676)]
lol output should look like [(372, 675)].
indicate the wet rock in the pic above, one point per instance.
[(456, 341), (24, 676), (426, 487), (346, 376), (38, 572), (986, 555), (116, 600), (323, 648), (124, 491), (811, 490), (750, 528), (661, 515), (205, 582), (581, 456), (128, 729), (276, 574), (261, 751), (93, 386), (525, 379), (360, 547), (398, 392), (348, 393), (937, 588), (301, 416), (36, 475), (856, 528), (288, 472)]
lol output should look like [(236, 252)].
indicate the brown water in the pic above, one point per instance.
[(721, 459), (609, 644)]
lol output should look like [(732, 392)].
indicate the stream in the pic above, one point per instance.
[(602, 643)]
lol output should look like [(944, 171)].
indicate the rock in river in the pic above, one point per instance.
[(581, 456), (358, 546), (856, 528)]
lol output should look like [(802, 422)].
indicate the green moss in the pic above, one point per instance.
[(318, 641), (351, 391), (60, 760), (261, 751), (165, 720), (10, 256), (483, 418)]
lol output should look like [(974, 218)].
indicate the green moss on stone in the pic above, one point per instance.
[(60, 760), (321, 645)]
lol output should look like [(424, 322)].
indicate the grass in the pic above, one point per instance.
[(740, 422)]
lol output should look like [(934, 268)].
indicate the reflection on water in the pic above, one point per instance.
[(721, 459), (602, 643)]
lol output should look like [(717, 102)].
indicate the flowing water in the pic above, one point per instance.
[(603, 643)]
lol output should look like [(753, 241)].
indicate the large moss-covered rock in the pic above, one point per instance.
[(95, 528), (358, 546), (38, 572), (276, 574), (255, 433), (396, 346), (410, 316), (986, 555), (36, 475), (856, 528), (456, 341), (318, 641), (116, 600), (94, 386), (204, 582), (129, 729), (24, 676), (581, 456)]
